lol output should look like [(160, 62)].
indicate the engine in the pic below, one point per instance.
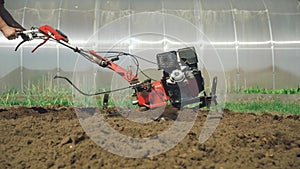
[(182, 80)]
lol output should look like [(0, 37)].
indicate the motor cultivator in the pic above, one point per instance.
[(181, 84)]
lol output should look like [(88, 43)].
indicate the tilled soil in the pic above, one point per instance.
[(52, 137)]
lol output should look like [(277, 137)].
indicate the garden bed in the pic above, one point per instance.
[(52, 137)]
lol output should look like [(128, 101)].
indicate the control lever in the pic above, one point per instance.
[(41, 44)]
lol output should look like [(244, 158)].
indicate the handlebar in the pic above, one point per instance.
[(43, 32), (31, 34), (48, 33)]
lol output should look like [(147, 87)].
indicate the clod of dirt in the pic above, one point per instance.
[(66, 140), (39, 110), (276, 117), (78, 138), (170, 113), (260, 155)]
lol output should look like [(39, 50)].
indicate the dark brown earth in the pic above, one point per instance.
[(51, 137)]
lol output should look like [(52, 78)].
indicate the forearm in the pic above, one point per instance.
[(8, 26), (2, 23), (7, 18)]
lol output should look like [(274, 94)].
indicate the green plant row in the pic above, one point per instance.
[(62, 97), (65, 97), (36, 98), (262, 107), (258, 90)]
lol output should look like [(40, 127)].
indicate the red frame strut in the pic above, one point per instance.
[(127, 75)]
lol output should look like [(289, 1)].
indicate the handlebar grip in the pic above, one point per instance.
[(19, 32), (24, 36), (12, 37)]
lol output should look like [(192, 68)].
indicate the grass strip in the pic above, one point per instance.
[(259, 90), (262, 107), (35, 97)]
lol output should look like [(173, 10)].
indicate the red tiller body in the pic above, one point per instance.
[(180, 84), (127, 75), (153, 97), (148, 95)]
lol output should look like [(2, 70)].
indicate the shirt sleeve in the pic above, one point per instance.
[(9, 20)]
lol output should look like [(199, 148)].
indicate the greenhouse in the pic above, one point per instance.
[(257, 42)]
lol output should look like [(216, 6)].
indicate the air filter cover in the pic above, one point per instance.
[(167, 60)]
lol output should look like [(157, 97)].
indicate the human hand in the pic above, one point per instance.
[(9, 32)]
